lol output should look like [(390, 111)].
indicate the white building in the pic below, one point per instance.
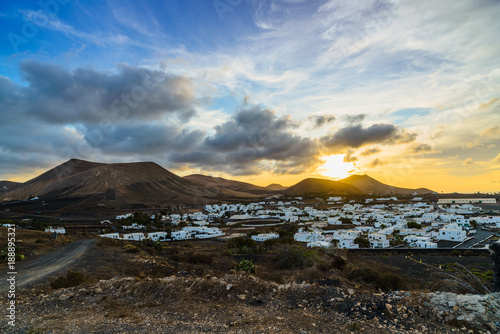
[(265, 236), (425, 242), (378, 240), (59, 230), (466, 200), (452, 232), (111, 235), (158, 236), (134, 236), (180, 235)]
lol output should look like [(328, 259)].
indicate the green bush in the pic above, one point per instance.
[(456, 253), (246, 265), (295, 256), (241, 242), (4, 254), (469, 253), (156, 245)]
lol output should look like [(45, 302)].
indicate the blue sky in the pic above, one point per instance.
[(387, 85)]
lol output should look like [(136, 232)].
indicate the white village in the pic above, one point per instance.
[(374, 223)]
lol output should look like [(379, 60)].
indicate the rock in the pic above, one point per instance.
[(388, 306), (350, 291), (456, 308), (242, 297), (228, 287), (452, 303), (64, 297), (492, 326)]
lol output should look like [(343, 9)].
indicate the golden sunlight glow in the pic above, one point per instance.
[(335, 167)]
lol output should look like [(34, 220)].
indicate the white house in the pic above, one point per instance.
[(180, 235), (378, 240), (111, 235), (59, 230), (265, 236), (124, 216), (347, 243), (133, 236), (158, 236), (425, 242), (452, 232), (308, 236)]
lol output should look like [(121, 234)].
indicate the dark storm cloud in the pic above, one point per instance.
[(355, 136), (144, 139), (256, 136), (61, 114), (57, 95)]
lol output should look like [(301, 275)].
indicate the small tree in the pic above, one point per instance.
[(363, 242), (413, 224)]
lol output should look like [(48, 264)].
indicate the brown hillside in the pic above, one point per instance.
[(370, 185), (321, 186)]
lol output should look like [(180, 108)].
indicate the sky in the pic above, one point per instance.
[(262, 91)]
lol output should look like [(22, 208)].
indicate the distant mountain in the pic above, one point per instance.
[(216, 184), (9, 184), (322, 186), (275, 187), (121, 183), (6, 186), (370, 185)]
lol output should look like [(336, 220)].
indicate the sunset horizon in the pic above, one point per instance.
[(256, 91)]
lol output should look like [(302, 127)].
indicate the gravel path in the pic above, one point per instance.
[(35, 270)]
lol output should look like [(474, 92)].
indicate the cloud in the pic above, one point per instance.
[(478, 144), (370, 151), (355, 136), (320, 120), (377, 162), (468, 161), (59, 96), (496, 160), (349, 156), (254, 140), (354, 119), (421, 148), (493, 131)]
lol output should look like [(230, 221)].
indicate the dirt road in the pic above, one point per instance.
[(37, 269)]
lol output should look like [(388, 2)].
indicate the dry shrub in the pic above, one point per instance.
[(386, 281), (295, 256), (72, 278), (109, 242), (197, 258)]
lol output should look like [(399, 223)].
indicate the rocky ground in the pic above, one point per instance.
[(243, 303)]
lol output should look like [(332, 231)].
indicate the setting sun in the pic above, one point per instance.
[(335, 167)]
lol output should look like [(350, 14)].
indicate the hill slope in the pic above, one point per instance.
[(321, 186), (370, 185), (140, 182), (216, 184)]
